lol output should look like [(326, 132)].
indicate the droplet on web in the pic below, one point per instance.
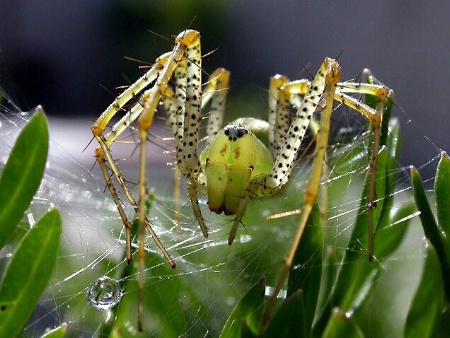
[(104, 293)]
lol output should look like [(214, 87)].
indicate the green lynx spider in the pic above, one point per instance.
[(235, 166)]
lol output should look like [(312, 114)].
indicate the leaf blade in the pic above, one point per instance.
[(425, 311), (28, 273), (22, 174), (249, 309)]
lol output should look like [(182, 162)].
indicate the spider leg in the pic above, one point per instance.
[(281, 94), (145, 121), (100, 156), (375, 118), (103, 154), (216, 91), (339, 92), (187, 120), (281, 91), (324, 84)]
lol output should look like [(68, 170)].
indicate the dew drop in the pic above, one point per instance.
[(104, 293), (245, 238), (87, 194)]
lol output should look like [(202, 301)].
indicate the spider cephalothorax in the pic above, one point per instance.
[(234, 158)]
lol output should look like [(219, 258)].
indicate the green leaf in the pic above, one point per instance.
[(392, 231), (393, 146), (306, 271), (426, 309), (246, 332), (341, 326), (28, 273), (330, 263), (356, 270), (357, 274), (22, 174), (431, 228), (58, 332), (289, 320), (442, 190), (445, 321), (248, 310)]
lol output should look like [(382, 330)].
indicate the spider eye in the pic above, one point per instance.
[(234, 132)]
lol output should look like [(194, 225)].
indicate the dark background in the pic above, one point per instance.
[(63, 54)]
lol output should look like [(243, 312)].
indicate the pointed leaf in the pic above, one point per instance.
[(442, 189), (391, 233), (289, 320), (357, 274), (356, 269), (425, 312), (330, 263), (248, 310), (431, 228), (22, 174), (341, 326), (28, 273), (306, 270), (58, 332)]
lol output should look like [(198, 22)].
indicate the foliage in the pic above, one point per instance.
[(319, 301), (32, 262), (327, 291), (429, 312)]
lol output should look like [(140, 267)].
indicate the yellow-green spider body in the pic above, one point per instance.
[(233, 159)]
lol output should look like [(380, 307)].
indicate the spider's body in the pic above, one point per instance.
[(233, 159), (235, 166)]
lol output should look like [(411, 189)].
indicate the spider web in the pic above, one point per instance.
[(196, 298)]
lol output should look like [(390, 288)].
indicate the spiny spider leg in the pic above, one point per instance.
[(290, 146), (329, 77), (235, 165), (159, 74), (103, 153)]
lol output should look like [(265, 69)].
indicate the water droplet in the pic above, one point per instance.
[(245, 238), (31, 220), (87, 194), (104, 293)]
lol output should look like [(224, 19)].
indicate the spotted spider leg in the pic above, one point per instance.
[(323, 86), (103, 154), (375, 118), (184, 114), (158, 77), (336, 91), (185, 43), (286, 137), (277, 125), (283, 94), (215, 92), (217, 89), (188, 98)]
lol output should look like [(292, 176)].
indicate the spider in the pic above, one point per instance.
[(235, 166)]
